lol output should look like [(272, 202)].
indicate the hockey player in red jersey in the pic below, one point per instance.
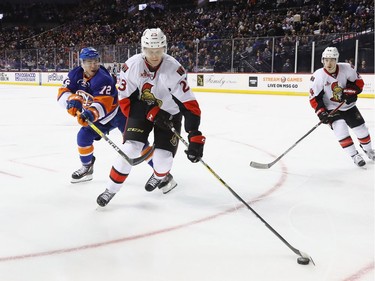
[(329, 86), (154, 95)]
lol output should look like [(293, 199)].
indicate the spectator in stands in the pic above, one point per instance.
[(287, 67), (350, 61), (218, 65), (363, 67), (64, 26)]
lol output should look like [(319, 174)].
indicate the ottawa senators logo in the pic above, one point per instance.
[(148, 97), (336, 92)]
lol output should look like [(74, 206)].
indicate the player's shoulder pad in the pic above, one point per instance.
[(133, 60), (103, 69), (78, 70), (344, 65), (174, 64), (102, 78), (318, 73), (131, 63), (104, 74), (124, 67)]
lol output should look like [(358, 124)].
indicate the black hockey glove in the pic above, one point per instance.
[(349, 95), (327, 117), (195, 148), (160, 118), (324, 117)]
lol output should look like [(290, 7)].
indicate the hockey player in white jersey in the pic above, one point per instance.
[(329, 86), (154, 94)]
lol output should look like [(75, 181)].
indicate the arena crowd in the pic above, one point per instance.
[(211, 26)]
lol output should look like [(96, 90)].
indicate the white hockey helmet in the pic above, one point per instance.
[(154, 38), (330, 53)]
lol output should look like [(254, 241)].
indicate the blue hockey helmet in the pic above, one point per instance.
[(89, 53), (90, 61)]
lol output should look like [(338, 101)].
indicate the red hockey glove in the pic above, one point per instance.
[(195, 149), (74, 104)]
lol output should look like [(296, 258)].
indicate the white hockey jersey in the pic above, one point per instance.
[(169, 81), (326, 88)]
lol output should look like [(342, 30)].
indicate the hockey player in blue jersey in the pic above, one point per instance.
[(91, 90)]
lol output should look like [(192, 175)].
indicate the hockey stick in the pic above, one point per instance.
[(269, 165), (131, 161), (296, 251)]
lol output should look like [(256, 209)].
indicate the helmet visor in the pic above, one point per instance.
[(153, 52), (90, 66), (90, 62)]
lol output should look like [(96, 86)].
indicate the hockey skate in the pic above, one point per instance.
[(358, 160), (104, 198), (167, 184), (84, 173), (370, 153), (152, 183)]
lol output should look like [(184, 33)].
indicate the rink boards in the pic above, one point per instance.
[(245, 83)]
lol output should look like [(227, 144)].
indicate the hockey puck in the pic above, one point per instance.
[(303, 260)]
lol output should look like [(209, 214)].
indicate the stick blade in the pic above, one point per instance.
[(304, 255), (260, 165)]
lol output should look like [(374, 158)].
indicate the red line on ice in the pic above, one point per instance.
[(360, 273), (276, 186), (9, 174)]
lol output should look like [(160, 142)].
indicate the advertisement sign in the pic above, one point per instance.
[(53, 78), (25, 77), (271, 84), (242, 83), (4, 77)]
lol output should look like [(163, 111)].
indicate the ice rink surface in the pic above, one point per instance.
[(316, 198)]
